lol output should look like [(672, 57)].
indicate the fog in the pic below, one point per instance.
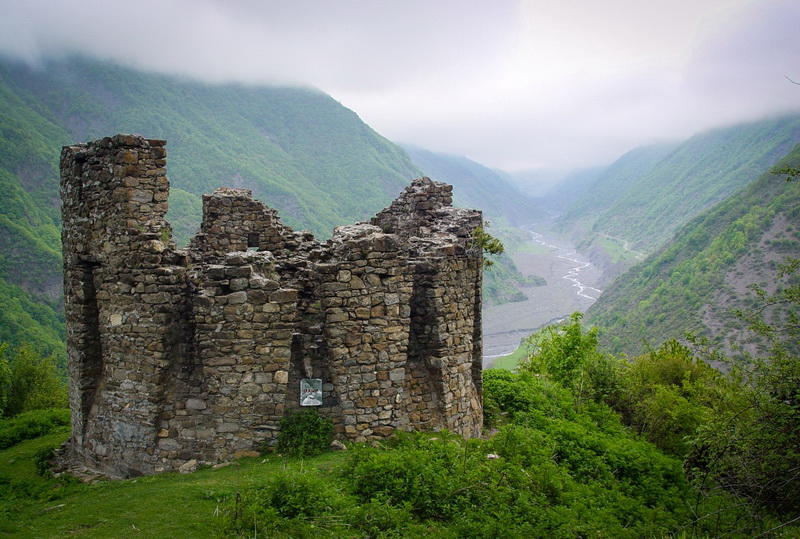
[(511, 84)]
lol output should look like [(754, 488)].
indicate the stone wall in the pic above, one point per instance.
[(196, 355)]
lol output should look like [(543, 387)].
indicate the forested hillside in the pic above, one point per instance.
[(297, 149), (696, 281), (640, 200)]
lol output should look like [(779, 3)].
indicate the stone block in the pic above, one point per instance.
[(195, 404)]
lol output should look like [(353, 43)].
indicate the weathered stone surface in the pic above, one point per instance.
[(188, 467), (337, 445), (200, 353), (242, 453)]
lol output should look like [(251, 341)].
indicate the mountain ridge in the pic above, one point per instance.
[(695, 282)]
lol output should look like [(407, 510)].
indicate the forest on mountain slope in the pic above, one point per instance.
[(696, 282), (298, 150), (638, 202)]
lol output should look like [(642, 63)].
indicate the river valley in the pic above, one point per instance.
[(571, 281)]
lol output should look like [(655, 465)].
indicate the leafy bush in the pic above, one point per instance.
[(288, 504), (305, 433), (30, 425), (424, 476), (508, 395), (750, 444), (568, 355), (42, 458), (667, 394), (29, 382)]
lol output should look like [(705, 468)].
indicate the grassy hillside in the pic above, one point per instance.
[(695, 281), (298, 150), (643, 198), (577, 444), (558, 470)]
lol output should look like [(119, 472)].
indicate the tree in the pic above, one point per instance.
[(29, 381), (561, 352), (487, 243)]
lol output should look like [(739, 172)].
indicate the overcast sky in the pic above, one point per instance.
[(511, 84)]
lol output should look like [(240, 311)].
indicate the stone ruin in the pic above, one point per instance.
[(192, 355)]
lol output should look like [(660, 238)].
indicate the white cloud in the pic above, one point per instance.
[(513, 84)]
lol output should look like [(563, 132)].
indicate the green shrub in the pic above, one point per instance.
[(380, 518), (507, 395), (29, 381), (422, 479), (667, 394), (42, 458), (32, 424), (305, 433), (561, 351), (288, 504)]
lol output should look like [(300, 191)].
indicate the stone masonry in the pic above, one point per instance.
[(196, 354)]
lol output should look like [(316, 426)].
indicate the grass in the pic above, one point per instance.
[(166, 505), (614, 249), (510, 361)]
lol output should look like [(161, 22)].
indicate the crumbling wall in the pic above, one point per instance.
[(365, 293), (233, 221), (124, 288), (180, 356)]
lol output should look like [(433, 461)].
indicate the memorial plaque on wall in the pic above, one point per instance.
[(310, 392)]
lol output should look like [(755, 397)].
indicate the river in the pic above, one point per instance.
[(571, 281)]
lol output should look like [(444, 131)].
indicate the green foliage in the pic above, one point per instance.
[(43, 458), (33, 424), (653, 191), (5, 379), (561, 352), (501, 284), (575, 451), (287, 504), (33, 382), (791, 173), (305, 433), (751, 443), (487, 243), (738, 433), (508, 395), (692, 282), (667, 394)]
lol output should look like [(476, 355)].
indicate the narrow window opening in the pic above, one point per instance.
[(252, 241), (91, 354)]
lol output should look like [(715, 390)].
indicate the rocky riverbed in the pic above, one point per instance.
[(571, 286)]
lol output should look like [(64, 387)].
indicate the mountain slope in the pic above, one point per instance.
[(694, 282), (476, 186), (641, 200), (612, 183), (298, 150)]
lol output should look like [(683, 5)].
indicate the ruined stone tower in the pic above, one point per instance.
[(197, 354)]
